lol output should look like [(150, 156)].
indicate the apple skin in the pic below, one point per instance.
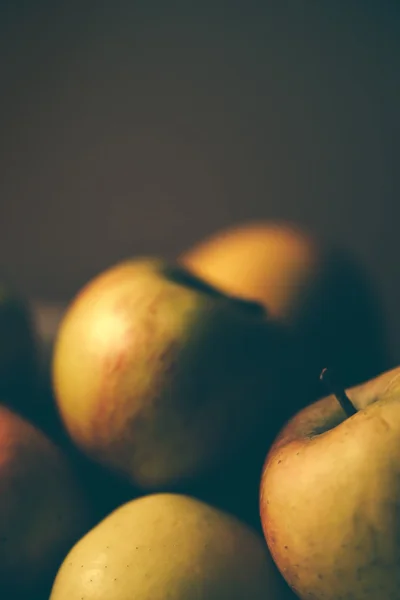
[(319, 291), (159, 376), (330, 496), (43, 510), (169, 546), (271, 262)]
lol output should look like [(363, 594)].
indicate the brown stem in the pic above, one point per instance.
[(334, 388)]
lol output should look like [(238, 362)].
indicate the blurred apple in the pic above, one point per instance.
[(161, 377), (321, 293), (42, 509)]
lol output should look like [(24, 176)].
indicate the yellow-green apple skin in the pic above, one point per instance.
[(42, 509), (319, 291), (273, 263), (159, 376), (169, 546), (330, 496)]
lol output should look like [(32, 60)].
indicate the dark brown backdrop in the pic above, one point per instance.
[(135, 127)]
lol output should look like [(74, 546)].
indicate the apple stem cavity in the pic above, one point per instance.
[(338, 391)]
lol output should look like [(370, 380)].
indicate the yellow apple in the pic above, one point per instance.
[(330, 495), (169, 546), (321, 293), (159, 376)]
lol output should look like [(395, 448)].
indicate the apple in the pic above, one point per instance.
[(43, 510), (169, 546), (273, 263), (330, 494), (320, 292), (160, 377)]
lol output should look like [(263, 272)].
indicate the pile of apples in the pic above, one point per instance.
[(169, 436)]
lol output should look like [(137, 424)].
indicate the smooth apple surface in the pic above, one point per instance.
[(330, 496), (158, 376), (273, 263), (42, 508), (169, 546), (322, 293)]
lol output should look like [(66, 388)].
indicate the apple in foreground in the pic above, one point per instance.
[(330, 495), (159, 376), (169, 546)]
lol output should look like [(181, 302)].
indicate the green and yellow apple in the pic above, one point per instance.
[(159, 376), (169, 546), (321, 293), (330, 495), (42, 509)]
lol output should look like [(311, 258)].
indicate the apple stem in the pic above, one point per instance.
[(338, 391)]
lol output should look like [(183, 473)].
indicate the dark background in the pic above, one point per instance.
[(140, 127)]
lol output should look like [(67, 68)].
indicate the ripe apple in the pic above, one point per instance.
[(273, 263), (169, 546), (330, 495), (159, 376), (321, 293), (42, 509)]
